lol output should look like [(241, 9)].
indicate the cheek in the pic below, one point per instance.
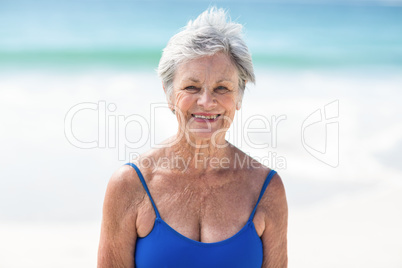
[(229, 104), (184, 101)]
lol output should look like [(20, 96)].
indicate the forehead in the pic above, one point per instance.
[(217, 67)]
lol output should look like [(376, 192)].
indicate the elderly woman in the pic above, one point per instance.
[(213, 205)]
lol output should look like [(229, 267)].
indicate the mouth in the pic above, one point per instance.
[(203, 118)]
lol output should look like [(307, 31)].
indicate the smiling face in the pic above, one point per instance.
[(206, 96)]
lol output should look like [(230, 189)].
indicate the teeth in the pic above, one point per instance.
[(205, 117)]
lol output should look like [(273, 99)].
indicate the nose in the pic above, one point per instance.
[(206, 99)]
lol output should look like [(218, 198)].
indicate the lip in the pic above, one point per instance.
[(205, 120), (204, 114)]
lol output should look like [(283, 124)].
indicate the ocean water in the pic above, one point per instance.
[(343, 184), (133, 33)]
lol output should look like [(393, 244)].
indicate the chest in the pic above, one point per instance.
[(202, 211), (164, 247)]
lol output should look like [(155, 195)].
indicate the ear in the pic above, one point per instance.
[(168, 100), (238, 105)]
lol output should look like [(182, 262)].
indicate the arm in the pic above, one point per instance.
[(274, 237), (118, 230)]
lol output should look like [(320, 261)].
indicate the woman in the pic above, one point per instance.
[(210, 204)]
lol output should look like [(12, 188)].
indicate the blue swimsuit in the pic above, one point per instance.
[(165, 247)]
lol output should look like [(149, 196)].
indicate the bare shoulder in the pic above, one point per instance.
[(274, 198), (123, 195), (125, 192), (274, 210), (124, 189), (118, 230), (274, 201)]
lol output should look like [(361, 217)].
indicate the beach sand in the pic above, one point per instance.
[(361, 230), (51, 191)]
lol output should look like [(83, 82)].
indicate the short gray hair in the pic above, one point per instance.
[(207, 35)]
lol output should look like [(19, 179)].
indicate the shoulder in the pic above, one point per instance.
[(125, 186), (124, 192), (150, 161), (275, 214), (118, 230), (124, 182), (244, 162), (274, 197), (274, 203)]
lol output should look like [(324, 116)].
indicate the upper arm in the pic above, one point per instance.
[(274, 237), (118, 230)]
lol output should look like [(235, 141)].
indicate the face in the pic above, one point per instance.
[(206, 96)]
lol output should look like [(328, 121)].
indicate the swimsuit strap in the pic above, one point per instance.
[(267, 180), (145, 187)]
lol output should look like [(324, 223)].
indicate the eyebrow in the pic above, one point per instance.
[(195, 80), (224, 80)]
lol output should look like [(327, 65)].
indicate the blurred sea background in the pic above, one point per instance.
[(79, 97)]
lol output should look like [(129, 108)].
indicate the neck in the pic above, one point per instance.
[(199, 155)]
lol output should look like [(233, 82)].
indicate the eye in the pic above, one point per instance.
[(191, 89), (221, 89)]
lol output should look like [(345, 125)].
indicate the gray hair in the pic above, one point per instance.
[(207, 35)]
